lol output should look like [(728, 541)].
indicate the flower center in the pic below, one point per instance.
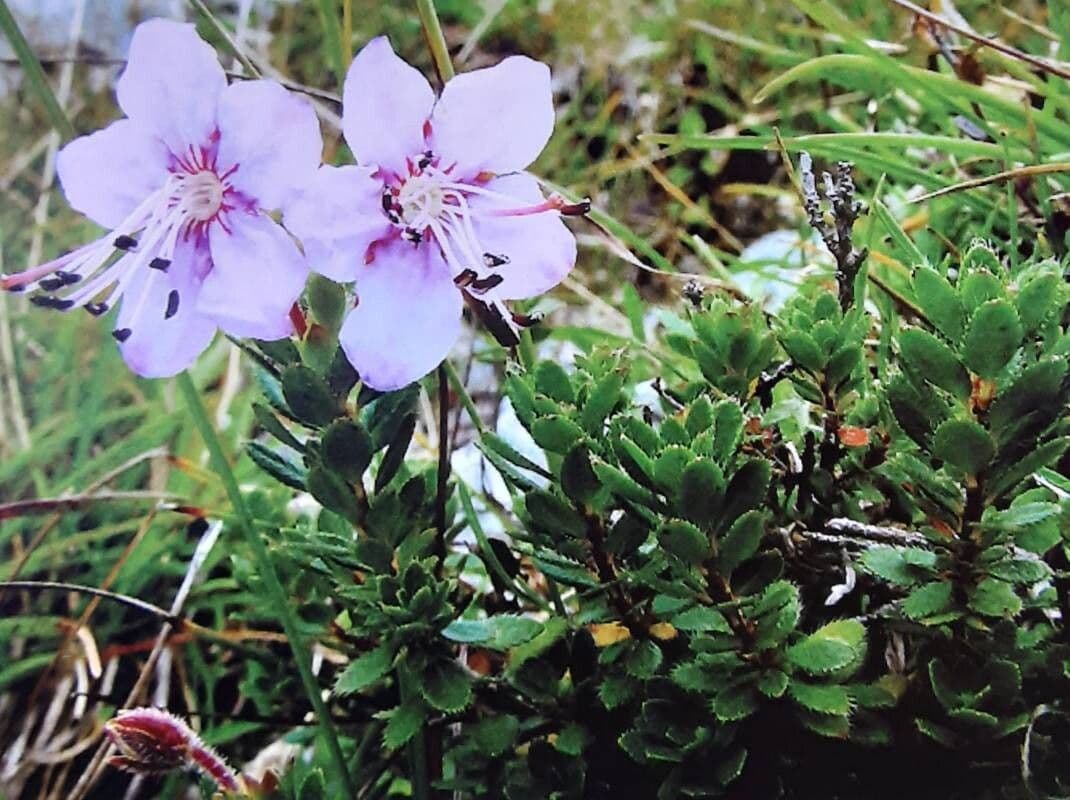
[(420, 200), (200, 195)]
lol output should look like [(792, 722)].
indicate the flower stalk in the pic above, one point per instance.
[(266, 569)]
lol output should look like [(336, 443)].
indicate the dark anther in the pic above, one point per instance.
[(172, 304), (160, 263), (59, 280), (693, 292), (425, 159), (489, 282), (50, 301), (124, 242), (16, 289), (577, 209), (493, 260), (527, 320), (465, 278), (388, 202), (51, 284), (96, 309), (121, 334), (492, 315), (412, 235)]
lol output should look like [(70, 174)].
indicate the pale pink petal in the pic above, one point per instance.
[(337, 217), (540, 248), (496, 119), (257, 274), (107, 174), (171, 84), (158, 346), (271, 136), (385, 104), (407, 317)]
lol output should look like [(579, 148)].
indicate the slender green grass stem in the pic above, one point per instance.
[(436, 41), (276, 594)]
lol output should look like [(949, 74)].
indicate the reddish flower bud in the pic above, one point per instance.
[(150, 741)]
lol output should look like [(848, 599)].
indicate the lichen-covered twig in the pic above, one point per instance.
[(835, 223)]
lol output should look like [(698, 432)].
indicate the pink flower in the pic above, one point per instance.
[(153, 741), (438, 210), (182, 185)]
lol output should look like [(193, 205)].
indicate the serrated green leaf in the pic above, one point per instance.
[(803, 350), (772, 683), (552, 381), (700, 619), (741, 542), (892, 564), (556, 433), (830, 648), (929, 359), (643, 659), (939, 302), (927, 600), (553, 515), (603, 397), (699, 416), (278, 464), (346, 449), (821, 698), (734, 703), (701, 492), (727, 431), (308, 395), (994, 336), (995, 598), (365, 670), (446, 686), (404, 722), (964, 444), (333, 493), (578, 479), (395, 453), (1036, 300), (669, 466), (685, 541)]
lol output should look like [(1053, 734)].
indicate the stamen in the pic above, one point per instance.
[(121, 334), (159, 263), (494, 260), (465, 278), (493, 315), (172, 304), (124, 242), (487, 283), (96, 309), (51, 301), (68, 278), (527, 320)]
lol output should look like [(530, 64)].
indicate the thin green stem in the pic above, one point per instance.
[(35, 75), (224, 34), (332, 32), (465, 397), (276, 593), (436, 41), (417, 746)]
